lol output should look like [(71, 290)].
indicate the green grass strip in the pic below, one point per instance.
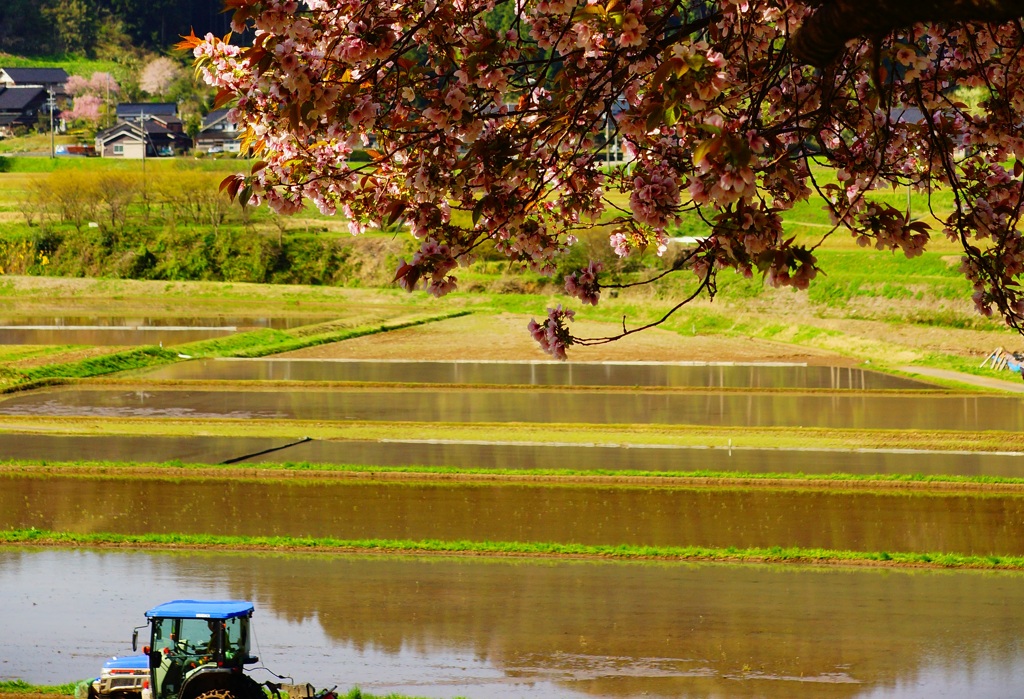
[(257, 471), (23, 687), (624, 552), (68, 690), (138, 358)]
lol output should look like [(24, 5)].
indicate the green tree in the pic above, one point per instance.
[(74, 24), (21, 26)]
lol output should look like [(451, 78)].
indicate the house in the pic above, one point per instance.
[(25, 92), (162, 132), (129, 139), (20, 108), (35, 77), (124, 140), (164, 112), (219, 135)]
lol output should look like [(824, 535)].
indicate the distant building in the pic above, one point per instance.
[(20, 108), (133, 111), (34, 77), (219, 135), (153, 128), (20, 101)]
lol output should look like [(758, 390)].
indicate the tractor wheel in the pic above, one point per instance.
[(217, 694)]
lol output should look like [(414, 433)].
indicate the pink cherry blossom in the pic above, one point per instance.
[(485, 136)]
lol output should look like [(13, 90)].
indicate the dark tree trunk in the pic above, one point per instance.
[(835, 22)]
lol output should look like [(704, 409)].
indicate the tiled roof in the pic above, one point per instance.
[(134, 109), (213, 117), (15, 99), (37, 76)]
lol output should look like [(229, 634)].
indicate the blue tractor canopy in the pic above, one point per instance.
[(201, 609)]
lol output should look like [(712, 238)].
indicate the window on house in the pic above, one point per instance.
[(118, 150)]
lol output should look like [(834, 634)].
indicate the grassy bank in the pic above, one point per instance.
[(706, 479), (20, 688), (776, 555)]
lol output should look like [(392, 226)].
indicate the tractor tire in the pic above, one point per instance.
[(217, 694)]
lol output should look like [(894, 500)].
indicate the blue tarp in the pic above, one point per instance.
[(202, 609)]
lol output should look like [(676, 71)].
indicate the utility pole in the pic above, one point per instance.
[(142, 126), (51, 105)]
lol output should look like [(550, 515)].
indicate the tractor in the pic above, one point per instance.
[(197, 650)]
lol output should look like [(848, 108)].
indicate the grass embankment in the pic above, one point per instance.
[(19, 689), (775, 554), (583, 435), (705, 479)]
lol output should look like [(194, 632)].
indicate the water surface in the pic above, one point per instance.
[(115, 330), (837, 410), (572, 514), (242, 321), (508, 455), (539, 373), (505, 629)]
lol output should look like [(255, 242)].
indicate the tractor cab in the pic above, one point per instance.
[(197, 650)]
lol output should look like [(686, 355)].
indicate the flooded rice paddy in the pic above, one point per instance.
[(107, 330), (508, 456), (750, 409), (893, 521), (539, 374), (497, 629), (500, 629)]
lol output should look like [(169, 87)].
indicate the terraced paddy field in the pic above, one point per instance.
[(504, 527)]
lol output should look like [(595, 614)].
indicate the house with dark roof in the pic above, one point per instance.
[(34, 77), (20, 107), (133, 111), (163, 133), (132, 139), (218, 134)]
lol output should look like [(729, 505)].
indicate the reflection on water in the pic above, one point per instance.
[(106, 330), (503, 629), (108, 336), (139, 448), (537, 373), (214, 450), (584, 514), (278, 323), (847, 410)]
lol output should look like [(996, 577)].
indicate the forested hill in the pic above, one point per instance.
[(45, 27)]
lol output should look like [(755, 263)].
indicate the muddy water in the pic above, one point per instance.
[(968, 524), (208, 450), (538, 374), (214, 450), (71, 330), (504, 629), (101, 336), (278, 323), (852, 411)]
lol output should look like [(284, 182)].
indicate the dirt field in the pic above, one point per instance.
[(504, 337)]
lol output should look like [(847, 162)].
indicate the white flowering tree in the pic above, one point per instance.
[(722, 105), (159, 75)]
